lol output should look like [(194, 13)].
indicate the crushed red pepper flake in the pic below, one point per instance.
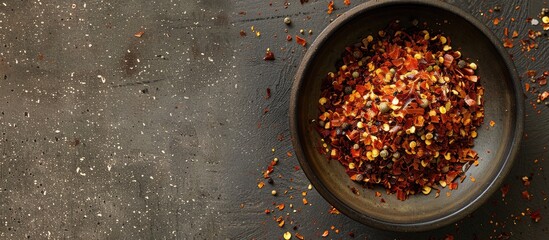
[(269, 55), (242, 33), (330, 7), (535, 216), (325, 233), (334, 211), (514, 34), (389, 115), (288, 37), (139, 34), (507, 43), (526, 195), (492, 123), (544, 95), (299, 236), (504, 190), (280, 206), (496, 21), (260, 185), (347, 2), (301, 41), (268, 93)]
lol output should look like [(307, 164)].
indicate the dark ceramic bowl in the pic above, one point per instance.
[(497, 146)]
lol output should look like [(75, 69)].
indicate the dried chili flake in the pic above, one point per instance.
[(504, 190), (325, 233), (347, 2), (280, 206), (280, 222), (305, 202), (496, 21), (139, 34), (334, 211), (242, 33), (544, 95), (514, 34), (526, 195), (260, 185), (268, 93), (301, 41), (299, 236), (330, 7), (492, 123), (269, 55), (527, 87), (288, 37), (386, 114), (507, 43), (535, 216)]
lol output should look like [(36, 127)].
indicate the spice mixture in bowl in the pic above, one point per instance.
[(406, 115)]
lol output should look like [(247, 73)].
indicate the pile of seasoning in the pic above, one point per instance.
[(402, 112)]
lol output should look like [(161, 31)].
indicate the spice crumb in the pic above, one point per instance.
[(139, 34), (330, 7), (325, 233)]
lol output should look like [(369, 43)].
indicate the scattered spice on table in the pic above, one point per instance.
[(330, 7), (347, 2), (139, 34), (301, 41), (269, 55), (402, 112)]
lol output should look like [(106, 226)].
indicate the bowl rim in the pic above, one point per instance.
[(417, 226)]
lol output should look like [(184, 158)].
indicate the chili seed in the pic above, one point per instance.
[(384, 107), (357, 54), (348, 90), (426, 190), (322, 101), (473, 66), (462, 64), (321, 123), (413, 144), (359, 177), (356, 146), (287, 20), (273, 192), (384, 153), (424, 103), (356, 74)]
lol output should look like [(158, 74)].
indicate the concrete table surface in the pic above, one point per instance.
[(149, 120)]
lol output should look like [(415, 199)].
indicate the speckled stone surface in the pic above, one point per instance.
[(107, 135)]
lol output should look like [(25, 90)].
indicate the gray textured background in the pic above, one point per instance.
[(109, 136)]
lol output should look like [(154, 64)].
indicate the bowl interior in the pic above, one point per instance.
[(495, 145)]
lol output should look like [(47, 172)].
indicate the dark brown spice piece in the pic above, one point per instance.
[(269, 55)]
